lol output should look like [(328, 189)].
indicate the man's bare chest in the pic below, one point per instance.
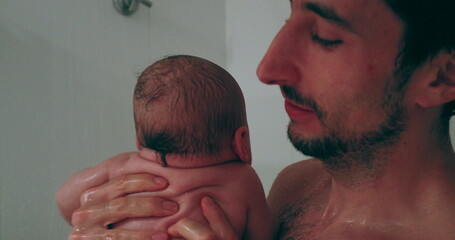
[(299, 220), (302, 220)]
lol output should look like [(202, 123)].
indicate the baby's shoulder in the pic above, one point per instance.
[(231, 175), (129, 163), (119, 158)]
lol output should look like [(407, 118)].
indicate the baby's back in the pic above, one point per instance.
[(234, 186)]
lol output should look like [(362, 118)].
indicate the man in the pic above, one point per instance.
[(373, 112), (368, 86)]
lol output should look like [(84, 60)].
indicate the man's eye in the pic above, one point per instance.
[(326, 42)]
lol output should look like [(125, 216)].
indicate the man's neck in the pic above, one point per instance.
[(414, 178)]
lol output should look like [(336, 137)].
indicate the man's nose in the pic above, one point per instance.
[(278, 66)]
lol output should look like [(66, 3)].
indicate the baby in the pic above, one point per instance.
[(190, 113)]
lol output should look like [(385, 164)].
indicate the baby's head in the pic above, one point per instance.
[(188, 105)]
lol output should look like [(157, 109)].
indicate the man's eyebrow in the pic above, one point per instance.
[(329, 14)]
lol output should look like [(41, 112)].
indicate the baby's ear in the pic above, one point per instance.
[(439, 88), (241, 144), (138, 145)]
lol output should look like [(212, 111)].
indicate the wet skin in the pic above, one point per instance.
[(335, 63), (338, 57)]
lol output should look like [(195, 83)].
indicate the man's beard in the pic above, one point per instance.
[(342, 152)]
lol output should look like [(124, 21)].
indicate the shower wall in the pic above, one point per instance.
[(67, 71)]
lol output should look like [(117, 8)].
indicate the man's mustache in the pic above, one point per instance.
[(293, 95)]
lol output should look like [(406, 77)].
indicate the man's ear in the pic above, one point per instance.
[(241, 144), (439, 85)]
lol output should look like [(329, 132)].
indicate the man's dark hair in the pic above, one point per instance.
[(185, 104), (429, 28)]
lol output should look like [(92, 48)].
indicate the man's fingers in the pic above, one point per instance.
[(218, 221), (122, 186), (191, 230), (116, 234), (220, 228), (121, 208), (117, 200)]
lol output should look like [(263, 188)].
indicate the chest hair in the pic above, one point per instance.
[(297, 220)]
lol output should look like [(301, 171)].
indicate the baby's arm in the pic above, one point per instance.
[(260, 222), (69, 194)]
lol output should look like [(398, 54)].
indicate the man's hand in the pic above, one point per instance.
[(220, 228), (110, 203)]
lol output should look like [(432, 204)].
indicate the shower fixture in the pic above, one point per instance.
[(128, 7)]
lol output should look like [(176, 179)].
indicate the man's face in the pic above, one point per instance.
[(335, 61)]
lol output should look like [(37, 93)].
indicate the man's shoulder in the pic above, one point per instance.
[(300, 174), (297, 181), (304, 169)]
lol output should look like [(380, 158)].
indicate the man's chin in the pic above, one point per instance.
[(311, 146), (316, 148)]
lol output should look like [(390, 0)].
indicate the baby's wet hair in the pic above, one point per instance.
[(185, 104)]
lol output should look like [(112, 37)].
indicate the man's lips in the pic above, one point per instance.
[(289, 104), (296, 112)]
